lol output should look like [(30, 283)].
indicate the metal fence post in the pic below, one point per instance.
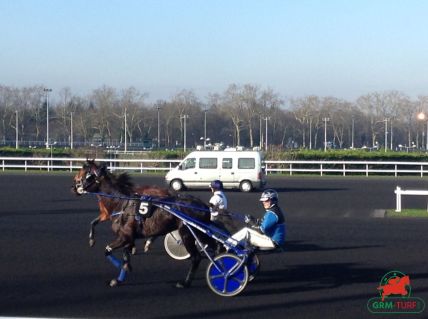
[(398, 199)]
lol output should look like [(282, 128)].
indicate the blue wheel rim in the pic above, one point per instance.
[(219, 278)]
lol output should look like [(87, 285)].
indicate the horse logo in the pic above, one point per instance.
[(395, 290), (394, 283)]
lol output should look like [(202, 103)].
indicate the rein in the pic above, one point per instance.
[(148, 198), (236, 216)]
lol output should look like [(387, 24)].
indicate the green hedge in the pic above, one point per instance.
[(38, 152), (315, 155), (348, 155)]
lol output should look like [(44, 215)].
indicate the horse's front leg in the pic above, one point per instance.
[(92, 231), (124, 265)]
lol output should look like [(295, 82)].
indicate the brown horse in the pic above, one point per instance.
[(131, 225), (109, 206)]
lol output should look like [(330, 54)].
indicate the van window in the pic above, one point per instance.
[(208, 162), (226, 163), (189, 163), (246, 163)]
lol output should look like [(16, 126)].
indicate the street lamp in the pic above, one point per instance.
[(184, 117), (126, 129), (422, 116), (205, 141), (325, 119), (158, 107), (266, 134), (205, 129), (71, 130), (386, 134), (16, 130), (47, 115), (51, 149)]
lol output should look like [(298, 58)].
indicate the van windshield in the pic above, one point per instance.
[(189, 163)]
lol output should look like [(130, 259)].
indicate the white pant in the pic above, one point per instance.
[(254, 238)]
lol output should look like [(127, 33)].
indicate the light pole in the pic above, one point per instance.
[(353, 130), (126, 130), (422, 117), (325, 119), (46, 90), (386, 134), (426, 139), (184, 117), (71, 130), (266, 133), (205, 129), (158, 107), (310, 133), (51, 149), (16, 130)]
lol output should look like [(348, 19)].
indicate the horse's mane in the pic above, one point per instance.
[(122, 182), (196, 202)]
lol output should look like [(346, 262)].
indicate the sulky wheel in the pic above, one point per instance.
[(225, 277), (174, 246)]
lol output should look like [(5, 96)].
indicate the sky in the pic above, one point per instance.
[(343, 48)]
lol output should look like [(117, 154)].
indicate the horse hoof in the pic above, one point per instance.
[(91, 242), (134, 250), (114, 283), (182, 284), (146, 248)]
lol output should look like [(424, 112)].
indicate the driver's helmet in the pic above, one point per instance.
[(269, 194), (216, 184)]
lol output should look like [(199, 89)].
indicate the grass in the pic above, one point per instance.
[(407, 213)]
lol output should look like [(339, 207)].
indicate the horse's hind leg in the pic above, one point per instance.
[(92, 231)]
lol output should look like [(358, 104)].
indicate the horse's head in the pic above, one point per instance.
[(88, 177)]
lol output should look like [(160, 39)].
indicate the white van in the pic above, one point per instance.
[(236, 169)]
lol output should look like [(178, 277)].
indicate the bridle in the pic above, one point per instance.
[(89, 177)]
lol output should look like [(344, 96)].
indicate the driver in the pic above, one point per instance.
[(269, 232), (218, 200)]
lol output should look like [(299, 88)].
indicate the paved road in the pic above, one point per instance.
[(336, 254)]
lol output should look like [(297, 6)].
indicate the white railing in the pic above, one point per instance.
[(400, 192), (70, 164), (272, 167), (348, 167)]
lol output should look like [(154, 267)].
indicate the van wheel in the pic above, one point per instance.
[(176, 185), (246, 186)]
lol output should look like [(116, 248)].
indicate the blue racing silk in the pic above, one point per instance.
[(273, 224)]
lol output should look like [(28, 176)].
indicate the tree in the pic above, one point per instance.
[(132, 102), (105, 113), (270, 104), (233, 107), (304, 110)]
